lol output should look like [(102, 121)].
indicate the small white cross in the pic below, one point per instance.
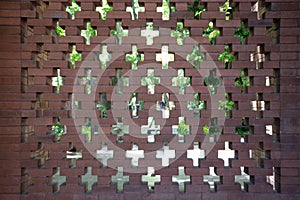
[(165, 154), (135, 154), (196, 154)]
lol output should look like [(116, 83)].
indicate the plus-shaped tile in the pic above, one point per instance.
[(150, 81), (72, 9), (119, 81), (40, 105), (181, 179), (274, 179), (164, 57), (227, 105), (243, 81), (104, 9), (150, 130), (166, 9), (180, 33), (259, 105), (165, 155), (75, 57), (135, 105), (260, 154), (196, 154), (196, 105), (165, 105), (119, 33), (181, 129), (259, 57), (103, 105), (104, 57), (212, 179), (135, 9), (73, 155), (40, 154), (120, 179), (135, 57), (261, 7), (58, 129), (120, 130), (88, 33), (226, 154), (104, 154), (180, 81), (212, 81), (88, 129), (88, 81), (89, 180), (149, 33), (196, 57), (244, 179), (134, 154), (57, 180), (151, 179), (57, 81)]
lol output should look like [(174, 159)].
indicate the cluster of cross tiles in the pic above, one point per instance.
[(165, 154)]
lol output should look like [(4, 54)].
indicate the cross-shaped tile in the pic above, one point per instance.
[(164, 57), (244, 179), (41, 56), (104, 154), (243, 81), (196, 57), (260, 154), (88, 179), (274, 179), (58, 129), (196, 154), (135, 105), (119, 81), (104, 57), (119, 33), (151, 179), (120, 179), (243, 130), (259, 105), (57, 180), (40, 154), (88, 33), (26, 180), (181, 129), (103, 105), (88, 129), (74, 57), (181, 179), (73, 8), (135, 9), (226, 154), (134, 58), (120, 130), (57, 81), (40, 105), (181, 81), (166, 9), (165, 105), (134, 154), (149, 33), (180, 33), (227, 105), (259, 57), (73, 155), (88, 81), (212, 179), (196, 105), (261, 7), (212, 81), (104, 9), (150, 81), (150, 130), (165, 155), (212, 130)]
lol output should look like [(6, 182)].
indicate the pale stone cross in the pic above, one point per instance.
[(211, 179), (120, 180), (150, 81), (181, 179), (151, 179), (150, 130), (104, 154), (104, 57), (57, 180), (135, 9), (242, 179), (149, 33), (164, 57), (165, 155), (89, 180), (135, 154), (226, 154), (196, 154), (165, 105)]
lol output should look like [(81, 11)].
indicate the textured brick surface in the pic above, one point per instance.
[(29, 105)]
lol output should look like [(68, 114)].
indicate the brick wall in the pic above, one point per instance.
[(31, 52)]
